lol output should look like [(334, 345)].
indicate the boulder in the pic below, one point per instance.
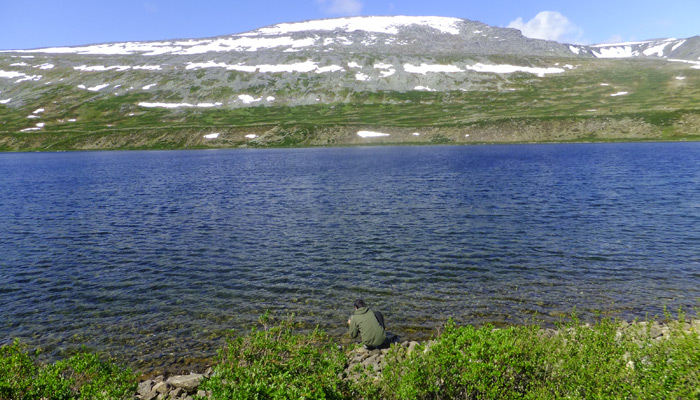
[(188, 383), (145, 390), (412, 346), (177, 393), (161, 388)]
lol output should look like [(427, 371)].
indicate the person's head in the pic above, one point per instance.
[(359, 303)]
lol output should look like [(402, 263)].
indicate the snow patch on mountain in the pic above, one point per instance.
[(509, 69), (370, 134), (424, 69), (118, 68), (649, 48), (248, 99), (677, 45), (378, 24), (22, 76), (306, 66), (615, 52), (181, 48), (657, 50), (265, 38), (177, 105), (386, 70)]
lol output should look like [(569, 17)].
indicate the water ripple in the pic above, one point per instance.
[(143, 255)]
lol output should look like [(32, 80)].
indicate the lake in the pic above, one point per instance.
[(152, 256)]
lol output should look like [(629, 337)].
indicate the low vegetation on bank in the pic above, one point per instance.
[(82, 376), (607, 359)]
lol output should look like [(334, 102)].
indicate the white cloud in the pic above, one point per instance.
[(340, 7), (549, 25)]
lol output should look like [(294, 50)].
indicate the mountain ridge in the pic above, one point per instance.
[(480, 74), (379, 24)]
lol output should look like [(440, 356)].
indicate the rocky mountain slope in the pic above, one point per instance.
[(321, 82)]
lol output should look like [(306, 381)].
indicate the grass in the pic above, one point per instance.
[(501, 107), (608, 359)]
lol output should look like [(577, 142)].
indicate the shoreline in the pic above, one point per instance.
[(363, 364), (682, 139), (201, 364)]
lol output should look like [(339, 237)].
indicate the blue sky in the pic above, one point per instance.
[(28, 24)]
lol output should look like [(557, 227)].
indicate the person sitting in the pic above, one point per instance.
[(369, 326)]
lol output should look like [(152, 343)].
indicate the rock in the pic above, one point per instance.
[(358, 359), (145, 388), (177, 392), (412, 346), (372, 360), (150, 396), (655, 331), (361, 350), (188, 383), (161, 387)]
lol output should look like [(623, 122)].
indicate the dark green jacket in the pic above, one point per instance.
[(364, 323)]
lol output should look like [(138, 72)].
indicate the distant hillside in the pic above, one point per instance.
[(407, 79)]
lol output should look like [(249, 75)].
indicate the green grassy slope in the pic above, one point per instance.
[(657, 100)]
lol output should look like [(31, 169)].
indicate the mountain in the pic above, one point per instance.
[(415, 79), (678, 49)]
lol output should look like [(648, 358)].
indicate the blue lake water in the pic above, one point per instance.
[(152, 256)]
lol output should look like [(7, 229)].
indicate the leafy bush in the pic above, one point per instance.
[(82, 376), (608, 360), (667, 368), (276, 363), (466, 362)]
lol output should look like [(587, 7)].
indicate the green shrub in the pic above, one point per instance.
[(587, 362), (82, 376), (466, 362), (606, 360), (276, 363), (667, 368)]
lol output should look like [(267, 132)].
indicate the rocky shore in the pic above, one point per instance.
[(370, 363), (177, 387)]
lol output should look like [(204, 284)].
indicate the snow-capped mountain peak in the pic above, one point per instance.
[(376, 24)]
